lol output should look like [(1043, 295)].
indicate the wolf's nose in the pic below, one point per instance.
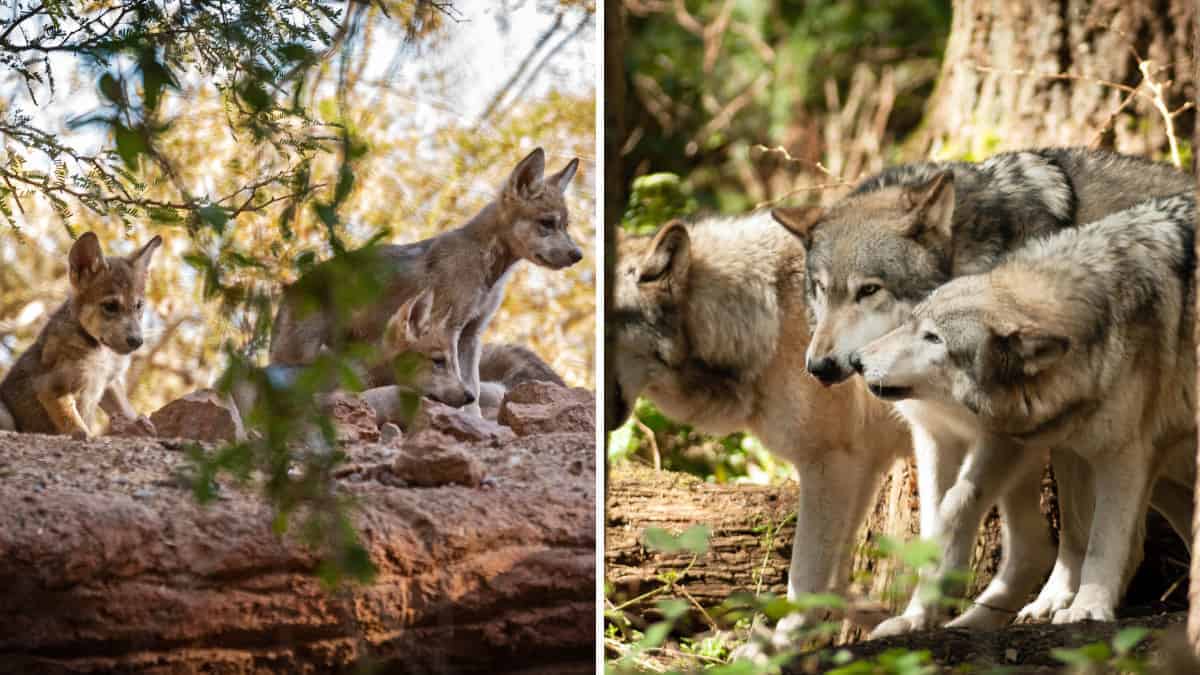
[(856, 362), (826, 370), (576, 255), (133, 341), (470, 398)]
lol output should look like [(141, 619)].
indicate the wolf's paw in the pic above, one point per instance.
[(1094, 613), (982, 618), (899, 625), (1045, 607)]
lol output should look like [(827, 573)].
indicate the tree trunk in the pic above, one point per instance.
[(1049, 72), (1193, 623)]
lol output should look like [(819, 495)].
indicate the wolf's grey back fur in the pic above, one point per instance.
[(512, 364)]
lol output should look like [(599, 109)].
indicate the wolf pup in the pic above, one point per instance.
[(710, 323), (469, 268), (878, 252), (504, 366), (412, 331), (1082, 342), (80, 358)]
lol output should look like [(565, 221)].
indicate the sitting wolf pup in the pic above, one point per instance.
[(876, 253), (80, 358), (1081, 342), (468, 267)]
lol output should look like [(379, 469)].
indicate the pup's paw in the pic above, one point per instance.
[(143, 424), (80, 435), (899, 625), (1078, 613), (1045, 606)]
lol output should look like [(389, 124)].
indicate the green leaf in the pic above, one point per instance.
[(215, 216), (1129, 638)]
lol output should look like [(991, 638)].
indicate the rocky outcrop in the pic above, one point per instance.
[(542, 407), (200, 415), (485, 554)]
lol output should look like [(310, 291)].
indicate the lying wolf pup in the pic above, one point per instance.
[(1081, 342)]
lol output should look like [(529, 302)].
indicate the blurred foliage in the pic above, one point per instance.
[(709, 81), (258, 138)]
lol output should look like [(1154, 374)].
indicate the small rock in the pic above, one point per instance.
[(459, 424), (353, 418), (389, 433), (430, 458), (201, 416), (139, 426), (543, 408)]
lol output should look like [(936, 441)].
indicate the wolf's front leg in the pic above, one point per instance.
[(1121, 481), (63, 412), (1025, 546), (469, 348), (836, 489), (115, 403), (7, 423), (1076, 500), (938, 463)]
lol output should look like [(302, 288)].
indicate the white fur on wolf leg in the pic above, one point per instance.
[(1056, 595), (900, 625)]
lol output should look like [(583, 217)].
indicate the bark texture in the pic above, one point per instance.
[(1027, 73), (1193, 623), (111, 566)]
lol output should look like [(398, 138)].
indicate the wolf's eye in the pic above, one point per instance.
[(867, 290), (110, 307), (438, 361), (140, 304), (547, 224), (932, 338)]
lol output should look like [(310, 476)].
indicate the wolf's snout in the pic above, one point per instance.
[(826, 370), (575, 255), (134, 341), (468, 397)]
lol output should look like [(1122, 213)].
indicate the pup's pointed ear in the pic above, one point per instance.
[(1038, 351), (931, 205), (669, 257), (562, 179), (419, 315), (86, 259), (799, 220), (527, 175), (141, 259)]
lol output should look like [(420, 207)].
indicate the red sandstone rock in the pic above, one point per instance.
[(201, 416), (543, 407)]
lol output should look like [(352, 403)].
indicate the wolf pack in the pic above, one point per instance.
[(985, 318), (436, 300)]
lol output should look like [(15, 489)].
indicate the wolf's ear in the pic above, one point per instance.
[(931, 207), (85, 259), (419, 315), (562, 179), (669, 257), (141, 259), (527, 175), (799, 220), (1038, 351)]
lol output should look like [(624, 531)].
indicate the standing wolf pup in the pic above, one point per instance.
[(1080, 342), (80, 358), (709, 321), (902, 233), (468, 267)]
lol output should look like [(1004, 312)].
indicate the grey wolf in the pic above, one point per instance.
[(81, 356), (469, 268), (709, 321), (1082, 342), (417, 340), (875, 254), (503, 366)]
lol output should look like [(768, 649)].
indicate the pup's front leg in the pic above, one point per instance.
[(469, 348), (60, 407)]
